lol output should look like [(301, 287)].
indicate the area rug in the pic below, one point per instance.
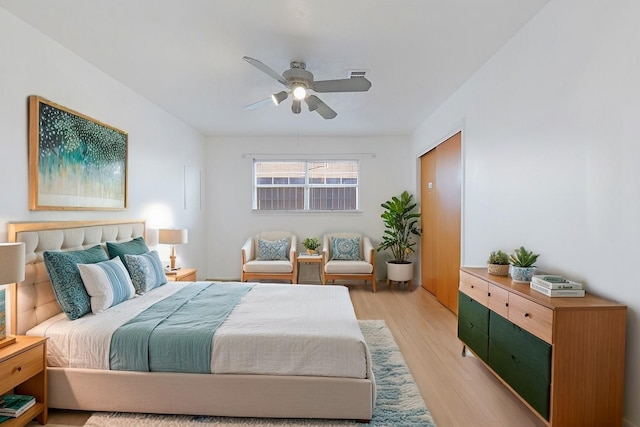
[(398, 402)]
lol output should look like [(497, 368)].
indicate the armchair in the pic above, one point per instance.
[(348, 256), (270, 255)]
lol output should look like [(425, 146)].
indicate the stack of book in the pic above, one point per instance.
[(556, 286), (14, 405)]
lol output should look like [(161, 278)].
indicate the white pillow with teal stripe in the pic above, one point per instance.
[(107, 283), (345, 249), (146, 271), (273, 250)]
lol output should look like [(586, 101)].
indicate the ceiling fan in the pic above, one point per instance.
[(299, 83)]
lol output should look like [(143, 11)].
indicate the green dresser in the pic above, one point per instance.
[(563, 357)]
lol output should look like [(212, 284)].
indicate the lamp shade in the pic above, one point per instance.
[(12, 258), (172, 236)]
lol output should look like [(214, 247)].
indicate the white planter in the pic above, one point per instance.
[(399, 272)]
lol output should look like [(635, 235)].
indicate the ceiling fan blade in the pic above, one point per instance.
[(266, 69), (295, 106), (266, 101), (316, 104), (355, 84)]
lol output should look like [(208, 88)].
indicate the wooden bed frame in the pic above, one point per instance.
[(33, 301)]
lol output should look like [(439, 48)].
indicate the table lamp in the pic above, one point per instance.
[(172, 236), (12, 258)]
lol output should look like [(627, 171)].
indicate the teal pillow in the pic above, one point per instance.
[(345, 249), (146, 271), (66, 281), (135, 246), (273, 250)]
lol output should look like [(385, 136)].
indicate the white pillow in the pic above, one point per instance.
[(107, 283)]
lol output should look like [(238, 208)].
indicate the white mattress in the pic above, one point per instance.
[(275, 329)]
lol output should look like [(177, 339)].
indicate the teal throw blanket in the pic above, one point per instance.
[(175, 334)]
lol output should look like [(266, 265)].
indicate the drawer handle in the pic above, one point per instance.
[(506, 304), (488, 294), (527, 315), (472, 286)]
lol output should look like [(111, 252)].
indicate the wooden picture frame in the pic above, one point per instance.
[(75, 162)]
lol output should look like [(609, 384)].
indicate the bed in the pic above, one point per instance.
[(309, 372)]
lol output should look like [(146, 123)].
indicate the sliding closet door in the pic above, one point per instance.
[(428, 208), (441, 191)]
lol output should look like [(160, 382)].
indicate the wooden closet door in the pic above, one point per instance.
[(428, 208), (441, 191)]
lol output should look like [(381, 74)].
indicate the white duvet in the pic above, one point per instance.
[(275, 329)]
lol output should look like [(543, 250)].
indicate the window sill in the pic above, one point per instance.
[(274, 212)]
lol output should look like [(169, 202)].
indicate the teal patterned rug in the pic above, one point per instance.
[(398, 402)]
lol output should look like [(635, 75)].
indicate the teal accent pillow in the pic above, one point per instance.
[(345, 249), (107, 283), (135, 246), (66, 281), (273, 250), (146, 271)]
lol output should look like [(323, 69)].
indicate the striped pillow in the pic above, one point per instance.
[(107, 283)]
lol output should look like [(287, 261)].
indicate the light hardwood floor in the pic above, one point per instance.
[(459, 391)]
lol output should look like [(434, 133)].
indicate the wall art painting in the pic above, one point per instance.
[(75, 162)]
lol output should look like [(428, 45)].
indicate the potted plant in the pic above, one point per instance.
[(522, 265), (311, 244), (498, 263), (401, 225)]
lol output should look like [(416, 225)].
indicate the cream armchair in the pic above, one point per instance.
[(268, 255), (348, 256)]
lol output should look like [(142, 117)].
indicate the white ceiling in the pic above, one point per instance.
[(186, 55)]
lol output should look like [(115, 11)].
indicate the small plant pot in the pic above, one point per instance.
[(522, 274), (498, 269), (311, 251)]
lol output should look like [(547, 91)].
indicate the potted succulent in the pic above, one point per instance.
[(498, 263), (522, 265), (401, 225), (311, 244)]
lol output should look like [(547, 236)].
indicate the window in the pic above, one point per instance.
[(306, 185)]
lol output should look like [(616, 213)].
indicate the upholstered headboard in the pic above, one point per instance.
[(34, 301)]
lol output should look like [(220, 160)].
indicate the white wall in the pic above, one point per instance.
[(160, 146), (230, 219), (551, 152)]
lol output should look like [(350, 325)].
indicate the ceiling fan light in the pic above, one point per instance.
[(295, 107), (299, 92), (277, 98)]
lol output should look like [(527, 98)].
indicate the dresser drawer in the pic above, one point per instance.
[(531, 317), (499, 300), (473, 325), (474, 287), (534, 389), (476, 313), (531, 350), (472, 337), (20, 368)]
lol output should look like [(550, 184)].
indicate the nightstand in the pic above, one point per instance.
[(23, 370), (181, 275)]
